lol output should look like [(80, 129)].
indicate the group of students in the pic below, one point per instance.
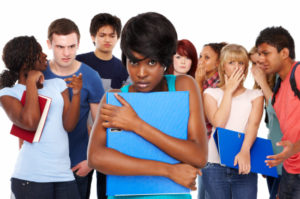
[(210, 72), (61, 164)]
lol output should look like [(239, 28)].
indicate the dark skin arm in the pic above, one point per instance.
[(191, 152), (27, 116)]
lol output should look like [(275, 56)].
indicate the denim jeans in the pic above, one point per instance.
[(23, 189), (289, 187), (202, 193), (101, 185), (273, 185), (226, 183), (84, 184)]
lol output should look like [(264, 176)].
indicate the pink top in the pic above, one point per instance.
[(241, 107), (287, 108)]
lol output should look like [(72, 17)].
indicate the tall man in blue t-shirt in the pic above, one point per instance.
[(63, 40), (105, 31)]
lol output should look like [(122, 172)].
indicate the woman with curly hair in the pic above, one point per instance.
[(43, 168)]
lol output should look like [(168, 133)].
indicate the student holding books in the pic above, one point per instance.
[(236, 108), (148, 43), (43, 168)]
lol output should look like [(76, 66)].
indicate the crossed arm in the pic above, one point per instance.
[(192, 152)]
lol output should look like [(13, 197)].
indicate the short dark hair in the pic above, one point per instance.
[(18, 52), (277, 37), (62, 26), (103, 19), (216, 47), (151, 35)]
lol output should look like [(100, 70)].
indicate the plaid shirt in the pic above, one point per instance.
[(210, 83)]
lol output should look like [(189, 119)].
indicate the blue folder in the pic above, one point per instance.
[(166, 111), (229, 144)]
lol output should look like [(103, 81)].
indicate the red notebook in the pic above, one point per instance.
[(33, 136)]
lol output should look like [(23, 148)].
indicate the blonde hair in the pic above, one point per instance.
[(271, 78), (252, 52), (232, 52)]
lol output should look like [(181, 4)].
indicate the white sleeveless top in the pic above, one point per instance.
[(238, 118)]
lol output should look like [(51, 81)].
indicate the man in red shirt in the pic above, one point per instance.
[(277, 53)]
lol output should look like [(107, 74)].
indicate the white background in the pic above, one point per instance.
[(199, 21)]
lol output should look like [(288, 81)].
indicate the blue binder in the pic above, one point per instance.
[(166, 111), (229, 144)]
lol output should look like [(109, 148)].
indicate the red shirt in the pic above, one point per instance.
[(287, 107)]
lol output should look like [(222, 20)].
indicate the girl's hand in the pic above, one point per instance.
[(233, 82), (75, 83), (243, 160), (259, 75), (123, 117), (200, 73), (185, 175), (36, 77)]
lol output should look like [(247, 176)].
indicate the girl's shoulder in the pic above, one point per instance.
[(216, 93), (16, 91), (253, 93), (185, 83)]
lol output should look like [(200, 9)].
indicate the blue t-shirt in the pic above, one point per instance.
[(91, 92), (112, 72), (47, 160)]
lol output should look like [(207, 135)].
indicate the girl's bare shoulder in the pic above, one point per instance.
[(185, 83)]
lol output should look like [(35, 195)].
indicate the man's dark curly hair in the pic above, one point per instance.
[(277, 37), (19, 52)]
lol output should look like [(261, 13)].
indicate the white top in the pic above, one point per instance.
[(47, 160), (238, 118)]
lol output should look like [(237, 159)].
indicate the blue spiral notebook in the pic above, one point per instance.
[(229, 144), (168, 112)]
